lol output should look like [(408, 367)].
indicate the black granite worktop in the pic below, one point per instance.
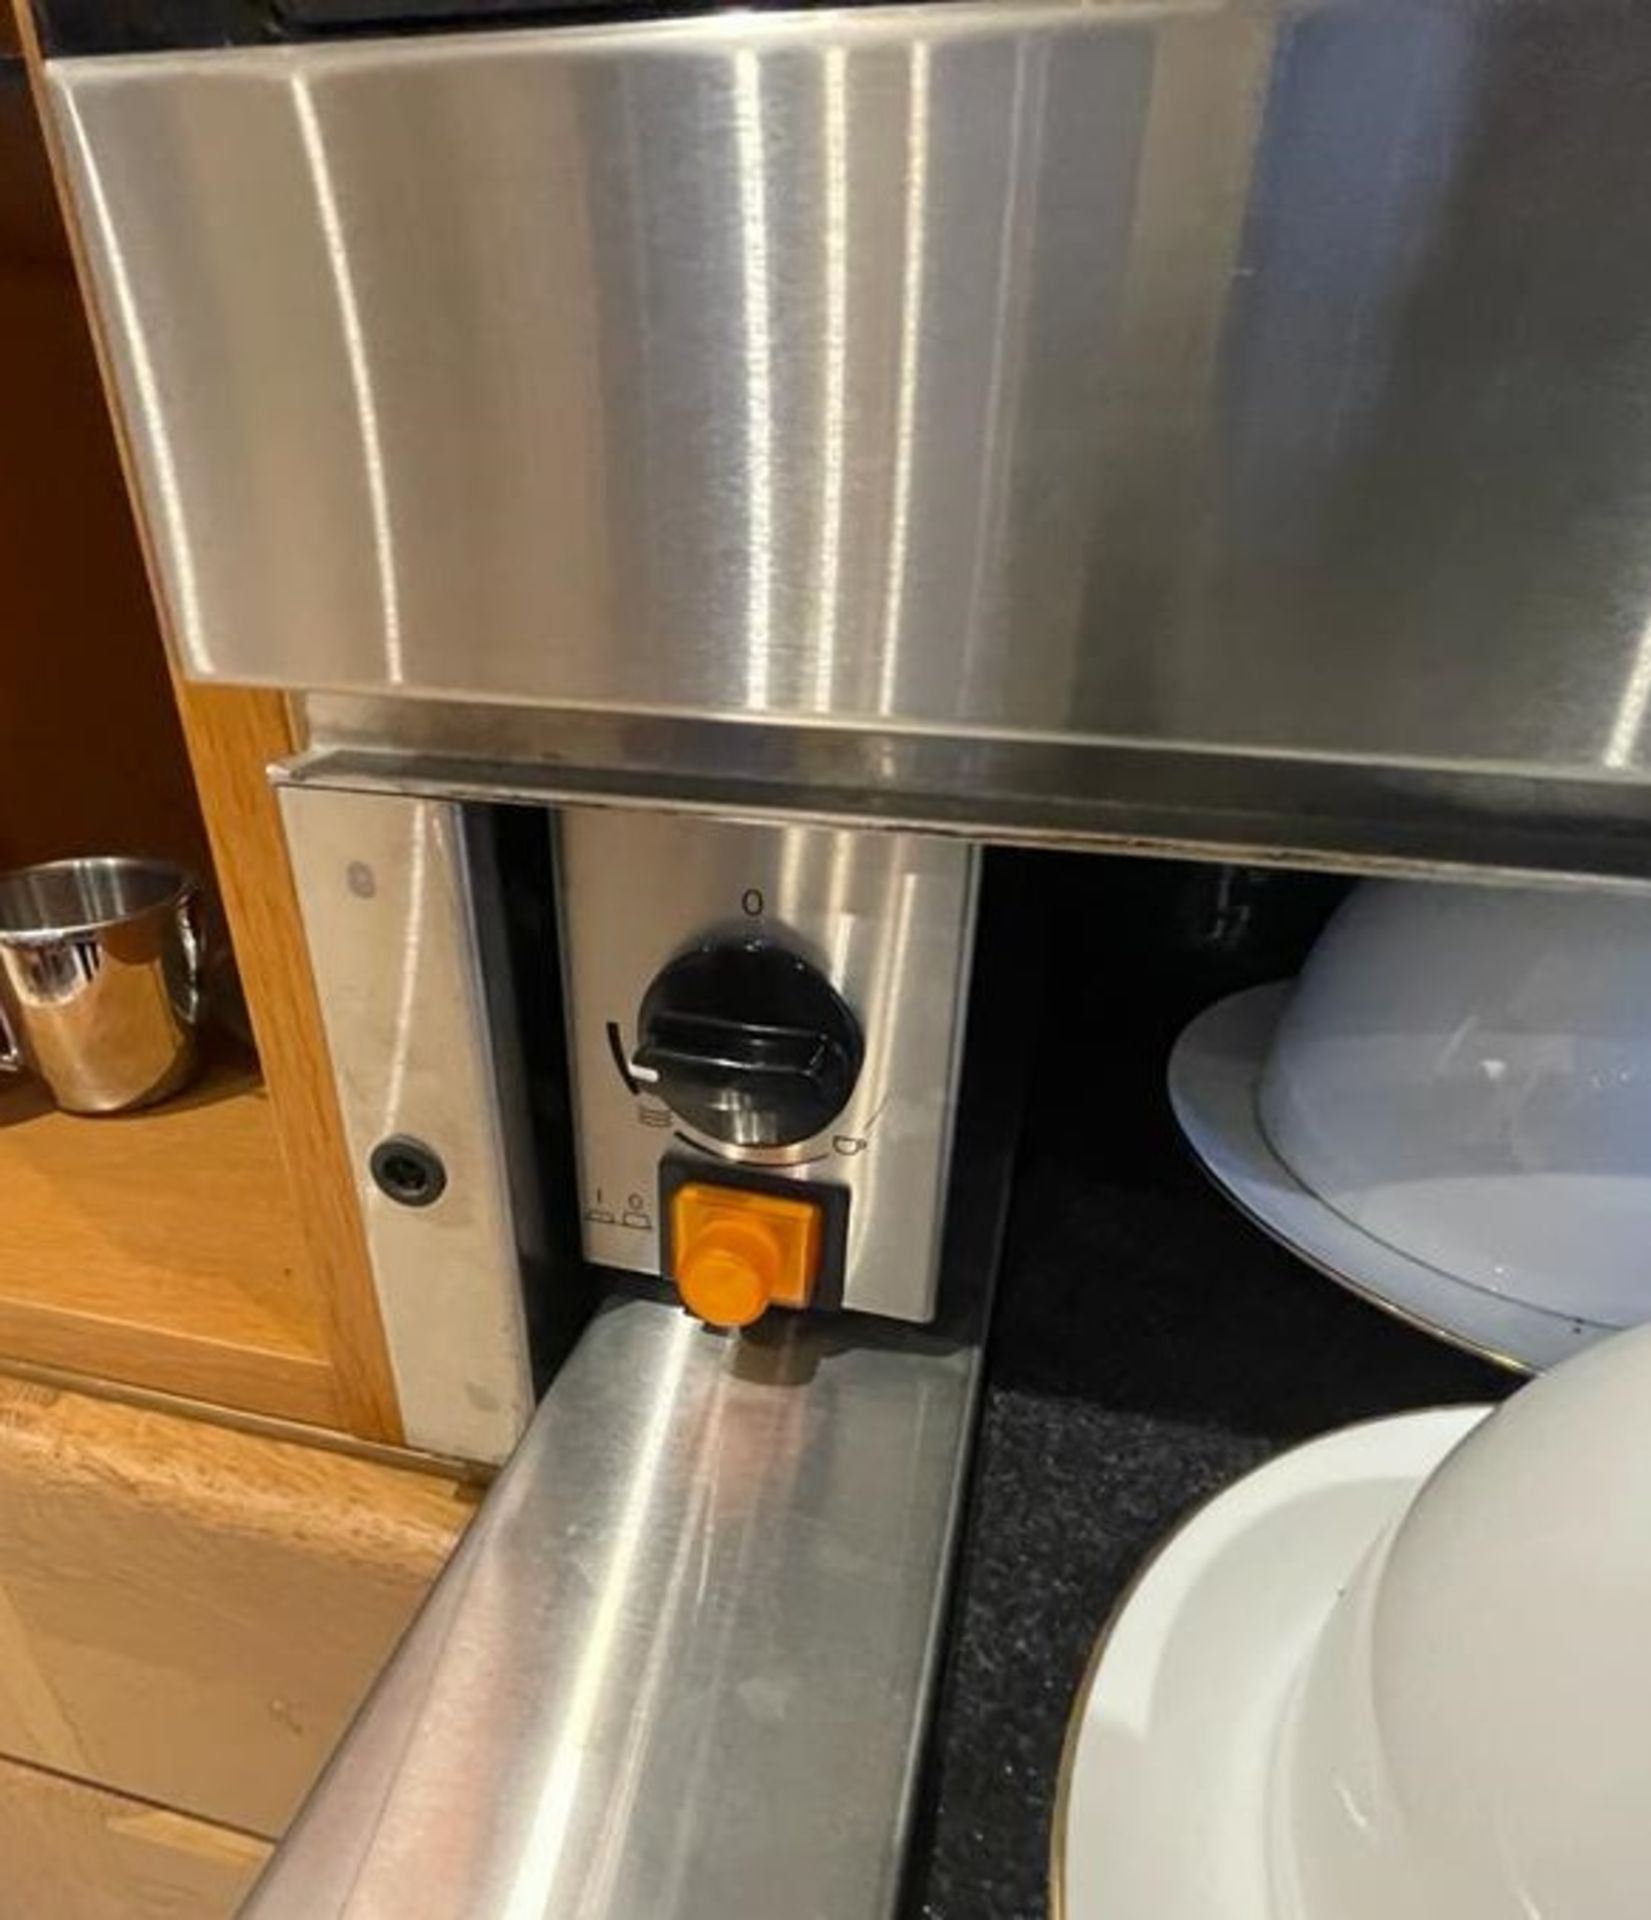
[(1149, 1346)]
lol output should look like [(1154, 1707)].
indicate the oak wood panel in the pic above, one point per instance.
[(161, 1248), (69, 1851), (232, 735), (266, 1426), (190, 1614)]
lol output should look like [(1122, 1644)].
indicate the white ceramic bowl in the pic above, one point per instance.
[(1468, 1741), (1464, 1073)]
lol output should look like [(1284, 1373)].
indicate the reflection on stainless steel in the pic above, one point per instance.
[(887, 917), (680, 1664), (387, 890), (1251, 377), (100, 979), (1257, 808), (353, 337)]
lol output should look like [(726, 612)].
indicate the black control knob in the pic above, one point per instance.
[(748, 1043)]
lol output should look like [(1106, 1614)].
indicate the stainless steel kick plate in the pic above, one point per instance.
[(680, 1666)]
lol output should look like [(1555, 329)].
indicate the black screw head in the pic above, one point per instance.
[(407, 1171)]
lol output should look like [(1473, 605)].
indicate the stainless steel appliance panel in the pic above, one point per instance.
[(390, 894), (888, 918), (1264, 376)]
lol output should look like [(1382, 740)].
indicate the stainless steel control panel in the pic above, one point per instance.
[(882, 921)]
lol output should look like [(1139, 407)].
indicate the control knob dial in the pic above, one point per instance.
[(748, 1043)]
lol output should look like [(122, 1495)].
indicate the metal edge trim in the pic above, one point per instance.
[(962, 1004), (937, 1634), (516, 1202), (699, 29), (1556, 851)]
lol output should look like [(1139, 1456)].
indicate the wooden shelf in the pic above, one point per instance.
[(161, 1249), (214, 1248)]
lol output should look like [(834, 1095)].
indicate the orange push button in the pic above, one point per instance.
[(736, 1253)]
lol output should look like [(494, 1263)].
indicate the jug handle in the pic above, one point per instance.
[(192, 932)]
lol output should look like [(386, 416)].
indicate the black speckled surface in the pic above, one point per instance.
[(1149, 1347)]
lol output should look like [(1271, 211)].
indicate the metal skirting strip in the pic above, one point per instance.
[(1428, 821), (680, 1666)]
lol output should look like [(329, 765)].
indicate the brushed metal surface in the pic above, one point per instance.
[(679, 1667), (1275, 810), (1268, 376), (887, 917), (389, 897)]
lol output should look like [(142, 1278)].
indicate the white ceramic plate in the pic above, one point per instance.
[(1213, 1074), (1161, 1812)]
